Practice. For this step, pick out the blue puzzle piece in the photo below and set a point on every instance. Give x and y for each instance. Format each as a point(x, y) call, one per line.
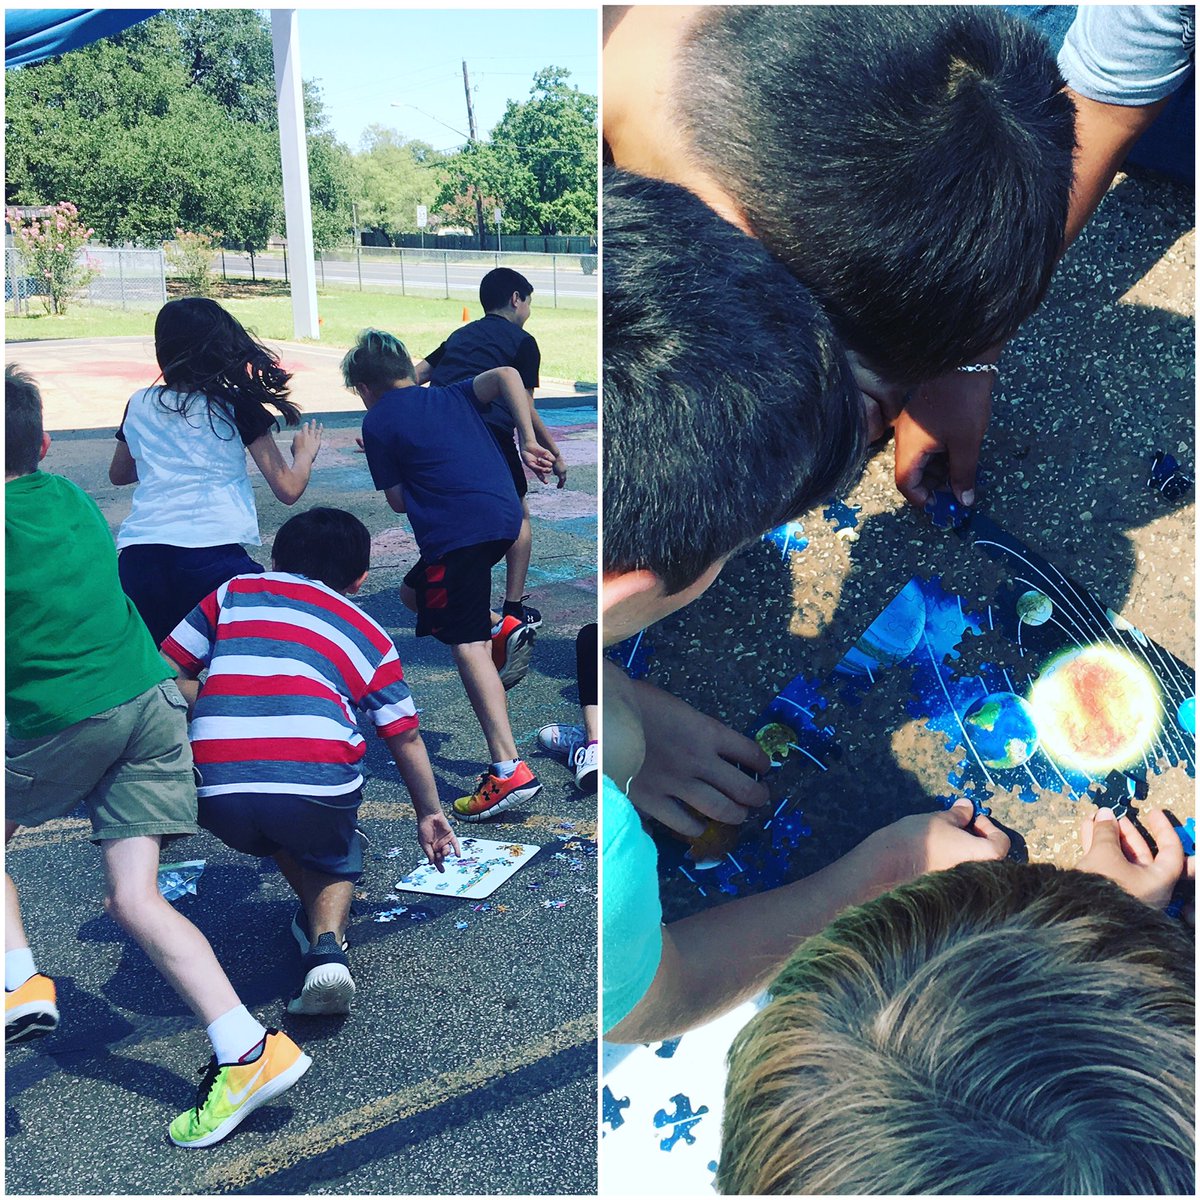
point(788, 539)
point(611, 1114)
point(945, 511)
point(1187, 835)
point(682, 1130)
point(843, 515)
point(633, 655)
point(683, 1112)
point(668, 1048)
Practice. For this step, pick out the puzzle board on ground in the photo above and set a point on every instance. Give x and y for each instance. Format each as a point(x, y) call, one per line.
point(483, 867)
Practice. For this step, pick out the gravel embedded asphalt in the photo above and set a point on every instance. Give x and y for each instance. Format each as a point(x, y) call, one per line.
point(469, 1061)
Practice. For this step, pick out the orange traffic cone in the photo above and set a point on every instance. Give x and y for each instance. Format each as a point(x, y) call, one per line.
point(466, 314)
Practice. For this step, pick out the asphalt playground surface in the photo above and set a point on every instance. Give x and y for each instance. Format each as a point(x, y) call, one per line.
point(468, 1064)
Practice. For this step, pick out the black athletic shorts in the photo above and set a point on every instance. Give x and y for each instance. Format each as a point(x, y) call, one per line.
point(454, 593)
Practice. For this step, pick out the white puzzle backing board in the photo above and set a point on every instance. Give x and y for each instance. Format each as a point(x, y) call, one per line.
point(481, 869)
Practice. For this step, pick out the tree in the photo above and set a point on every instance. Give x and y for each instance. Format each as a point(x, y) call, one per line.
point(392, 175)
point(171, 123)
point(539, 162)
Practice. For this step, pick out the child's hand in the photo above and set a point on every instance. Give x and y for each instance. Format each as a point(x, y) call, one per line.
point(695, 759)
point(927, 842)
point(539, 460)
point(307, 441)
point(436, 837)
point(1116, 850)
point(560, 470)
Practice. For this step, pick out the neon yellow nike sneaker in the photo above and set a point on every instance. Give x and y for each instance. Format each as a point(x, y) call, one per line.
point(230, 1092)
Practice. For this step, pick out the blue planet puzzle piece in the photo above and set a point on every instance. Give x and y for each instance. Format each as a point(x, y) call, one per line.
point(611, 1114)
point(668, 1048)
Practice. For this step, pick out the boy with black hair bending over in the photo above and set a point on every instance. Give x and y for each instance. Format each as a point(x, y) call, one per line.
point(95, 718)
point(499, 339)
point(786, 435)
point(432, 457)
point(289, 658)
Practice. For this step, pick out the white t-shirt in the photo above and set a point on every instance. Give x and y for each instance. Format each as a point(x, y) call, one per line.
point(1131, 54)
point(193, 488)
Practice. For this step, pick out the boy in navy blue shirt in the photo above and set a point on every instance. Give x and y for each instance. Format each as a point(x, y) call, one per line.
point(433, 458)
point(499, 339)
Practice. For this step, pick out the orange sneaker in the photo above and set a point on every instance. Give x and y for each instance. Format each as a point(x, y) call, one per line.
point(30, 1011)
point(493, 794)
point(512, 650)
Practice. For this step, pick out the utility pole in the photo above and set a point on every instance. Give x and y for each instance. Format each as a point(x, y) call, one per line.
point(471, 128)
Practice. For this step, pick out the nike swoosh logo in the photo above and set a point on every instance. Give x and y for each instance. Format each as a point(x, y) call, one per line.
point(235, 1098)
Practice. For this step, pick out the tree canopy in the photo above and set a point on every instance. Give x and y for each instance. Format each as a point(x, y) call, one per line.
point(392, 175)
point(539, 162)
point(170, 124)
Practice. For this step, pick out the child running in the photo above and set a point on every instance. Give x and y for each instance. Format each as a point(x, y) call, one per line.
point(94, 718)
point(184, 444)
point(432, 457)
point(289, 657)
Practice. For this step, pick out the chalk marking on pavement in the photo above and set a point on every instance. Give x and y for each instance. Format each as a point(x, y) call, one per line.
point(291, 1151)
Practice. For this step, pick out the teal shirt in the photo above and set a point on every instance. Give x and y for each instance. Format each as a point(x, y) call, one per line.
point(632, 911)
point(74, 645)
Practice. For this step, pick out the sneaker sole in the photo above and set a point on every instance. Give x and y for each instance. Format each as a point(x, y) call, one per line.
point(328, 991)
point(268, 1091)
point(29, 1021)
point(508, 801)
point(587, 781)
point(518, 655)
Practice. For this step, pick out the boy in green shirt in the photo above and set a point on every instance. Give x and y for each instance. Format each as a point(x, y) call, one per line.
point(95, 718)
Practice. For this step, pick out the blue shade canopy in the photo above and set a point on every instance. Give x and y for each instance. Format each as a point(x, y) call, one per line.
point(31, 34)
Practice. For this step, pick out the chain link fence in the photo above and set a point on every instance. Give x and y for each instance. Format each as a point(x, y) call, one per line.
point(122, 278)
point(559, 280)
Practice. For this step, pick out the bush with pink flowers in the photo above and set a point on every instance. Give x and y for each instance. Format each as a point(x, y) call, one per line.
point(49, 247)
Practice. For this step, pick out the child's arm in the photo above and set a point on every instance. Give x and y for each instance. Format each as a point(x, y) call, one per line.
point(422, 371)
point(505, 382)
point(188, 684)
point(123, 469)
point(395, 498)
point(543, 436)
point(433, 830)
point(716, 959)
point(288, 483)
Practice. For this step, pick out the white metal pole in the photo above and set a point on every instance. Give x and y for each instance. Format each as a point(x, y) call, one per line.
point(293, 149)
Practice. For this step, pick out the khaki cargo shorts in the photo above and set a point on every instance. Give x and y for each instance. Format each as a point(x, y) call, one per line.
point(130, 766)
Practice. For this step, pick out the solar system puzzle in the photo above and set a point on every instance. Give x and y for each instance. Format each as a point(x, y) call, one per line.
point(1040, 689)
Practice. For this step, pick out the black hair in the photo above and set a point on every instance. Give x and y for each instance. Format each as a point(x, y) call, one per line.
point(203, 350)
point(911, 165)
point(497, 286)
point(328, 544)
point(22, 423)
point(729, 406)
point(377, 359)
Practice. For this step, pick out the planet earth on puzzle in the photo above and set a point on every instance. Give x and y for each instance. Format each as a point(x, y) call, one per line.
point(1002, 730)
point(1035, 608)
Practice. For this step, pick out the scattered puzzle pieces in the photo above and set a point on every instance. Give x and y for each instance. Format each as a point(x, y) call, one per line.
point(788, 539)
point(1167, 478)
point(843, 516)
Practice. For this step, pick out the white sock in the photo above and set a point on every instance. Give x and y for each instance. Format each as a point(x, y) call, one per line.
point(234, 1034)
point(18, 968)
point(502, 770)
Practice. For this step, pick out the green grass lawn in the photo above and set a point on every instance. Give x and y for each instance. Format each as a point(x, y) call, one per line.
point(567, 336)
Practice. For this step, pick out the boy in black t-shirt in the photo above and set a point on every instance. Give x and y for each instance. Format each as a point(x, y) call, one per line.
point(498, 339)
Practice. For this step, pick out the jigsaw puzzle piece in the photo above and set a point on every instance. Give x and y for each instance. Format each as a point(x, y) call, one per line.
point(612, 1113)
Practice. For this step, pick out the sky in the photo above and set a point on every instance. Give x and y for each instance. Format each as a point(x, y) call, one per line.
point(365, 60)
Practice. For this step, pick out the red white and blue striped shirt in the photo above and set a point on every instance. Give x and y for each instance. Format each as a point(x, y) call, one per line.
point(289, 659)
